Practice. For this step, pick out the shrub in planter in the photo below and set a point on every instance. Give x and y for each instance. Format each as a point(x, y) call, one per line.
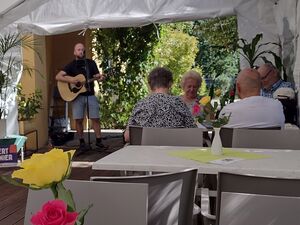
point(28, 105)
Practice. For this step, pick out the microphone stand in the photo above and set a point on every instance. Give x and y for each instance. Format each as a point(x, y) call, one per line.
point(88, 87)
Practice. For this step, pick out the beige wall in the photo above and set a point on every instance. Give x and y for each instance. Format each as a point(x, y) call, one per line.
point(37, 80)
point(56, 51)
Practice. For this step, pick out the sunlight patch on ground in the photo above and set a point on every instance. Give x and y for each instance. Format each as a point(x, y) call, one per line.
point(81, 164)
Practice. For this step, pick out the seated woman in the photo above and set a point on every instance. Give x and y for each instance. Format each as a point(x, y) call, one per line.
point(160, 109)
point(190, 84)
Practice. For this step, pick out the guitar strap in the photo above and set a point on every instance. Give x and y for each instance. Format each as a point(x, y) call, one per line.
point(87, 75)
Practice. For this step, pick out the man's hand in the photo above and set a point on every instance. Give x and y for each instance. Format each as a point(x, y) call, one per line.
point(99, 76)
point(77, 82)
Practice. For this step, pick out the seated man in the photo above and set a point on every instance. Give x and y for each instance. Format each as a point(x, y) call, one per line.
point(160, 109)
point(271, 80)
point(275, 87)
point(253, 110)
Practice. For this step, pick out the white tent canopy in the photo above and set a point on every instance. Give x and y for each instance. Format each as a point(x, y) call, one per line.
point(12, 10)
point(48, 17)
point(278, 20)
point(61, 16)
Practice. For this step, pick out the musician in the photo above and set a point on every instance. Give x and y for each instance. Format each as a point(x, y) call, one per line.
point(87, 67)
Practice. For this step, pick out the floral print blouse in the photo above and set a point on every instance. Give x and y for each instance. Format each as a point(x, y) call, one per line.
point(161, 110)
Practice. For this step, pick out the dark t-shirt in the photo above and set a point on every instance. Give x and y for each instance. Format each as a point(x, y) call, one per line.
point(79, 67)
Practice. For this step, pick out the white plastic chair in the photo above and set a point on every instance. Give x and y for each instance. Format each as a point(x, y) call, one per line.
point(113, 203)
point(171, 196)
point(268, 139)
point(172, 136)
point(248, 200)
point(135, 135)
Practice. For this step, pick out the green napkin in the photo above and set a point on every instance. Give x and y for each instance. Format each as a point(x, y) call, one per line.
point(204, 155)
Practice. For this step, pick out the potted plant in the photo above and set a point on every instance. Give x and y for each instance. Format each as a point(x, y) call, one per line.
point(28, 105)
point(252, 51)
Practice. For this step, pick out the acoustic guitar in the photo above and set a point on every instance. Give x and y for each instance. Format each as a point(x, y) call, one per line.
point(68, 91)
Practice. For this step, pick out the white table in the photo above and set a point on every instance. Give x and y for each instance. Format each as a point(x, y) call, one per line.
point(282, 163)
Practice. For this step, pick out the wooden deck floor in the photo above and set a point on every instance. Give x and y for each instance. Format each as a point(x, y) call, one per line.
point(13, 199)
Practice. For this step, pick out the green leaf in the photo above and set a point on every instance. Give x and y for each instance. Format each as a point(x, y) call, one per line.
point(17, 182)
point(66, 196)
point(221, 121)
point(54, 190)
point(255, 40)
point(68, 173)
point(80, 218)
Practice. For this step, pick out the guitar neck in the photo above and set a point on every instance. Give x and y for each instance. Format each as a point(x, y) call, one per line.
point(91, 80)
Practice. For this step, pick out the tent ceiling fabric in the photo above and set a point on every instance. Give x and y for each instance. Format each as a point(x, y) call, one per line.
point(62, 16)
point(10, 11)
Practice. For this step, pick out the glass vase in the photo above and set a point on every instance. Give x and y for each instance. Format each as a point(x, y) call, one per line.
point(216, 146)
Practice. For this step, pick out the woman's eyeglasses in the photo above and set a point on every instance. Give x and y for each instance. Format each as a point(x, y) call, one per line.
point(267, 74)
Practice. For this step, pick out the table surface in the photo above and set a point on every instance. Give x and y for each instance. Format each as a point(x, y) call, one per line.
point(281, 163)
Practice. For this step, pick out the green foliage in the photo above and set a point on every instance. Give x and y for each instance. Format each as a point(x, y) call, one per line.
point(251, 51)
point(220, 121)
point(221, 32)
point(205, 46)
point(209, 115)
point(217, 56)
point(28, 106)
point(10, 65)
point(124, 52)
point(175, 50)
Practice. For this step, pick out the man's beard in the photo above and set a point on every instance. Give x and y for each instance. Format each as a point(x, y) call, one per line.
point(80, 57)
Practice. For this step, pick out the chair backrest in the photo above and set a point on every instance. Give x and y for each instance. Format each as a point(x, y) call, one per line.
point(113, 203)
point(135, 135)
point(252, 200)
point(171, 196)
point(289, 110)
point(226, 134)
point(172, 136)
point(273, 139)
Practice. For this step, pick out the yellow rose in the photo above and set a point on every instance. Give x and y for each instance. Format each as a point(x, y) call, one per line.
point(41, 170)
point(204, 100)
point(218, 92)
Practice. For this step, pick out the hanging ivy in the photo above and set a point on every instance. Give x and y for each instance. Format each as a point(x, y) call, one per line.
point(122, 53)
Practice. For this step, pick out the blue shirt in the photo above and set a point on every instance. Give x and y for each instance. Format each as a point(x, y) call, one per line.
point(279, 84)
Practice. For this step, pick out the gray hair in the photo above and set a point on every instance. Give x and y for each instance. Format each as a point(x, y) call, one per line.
point(192, 74)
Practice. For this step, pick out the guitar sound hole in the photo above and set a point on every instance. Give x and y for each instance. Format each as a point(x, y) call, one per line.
point(74, 88)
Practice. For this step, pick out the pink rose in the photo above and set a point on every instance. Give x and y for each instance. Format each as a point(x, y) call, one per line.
point(196, 109)
point(54, 213)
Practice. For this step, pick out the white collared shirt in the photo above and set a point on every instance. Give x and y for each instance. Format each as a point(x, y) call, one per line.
point(254, 112)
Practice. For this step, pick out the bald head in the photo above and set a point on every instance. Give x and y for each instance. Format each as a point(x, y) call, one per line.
point(79, 51)
point(248, 83)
